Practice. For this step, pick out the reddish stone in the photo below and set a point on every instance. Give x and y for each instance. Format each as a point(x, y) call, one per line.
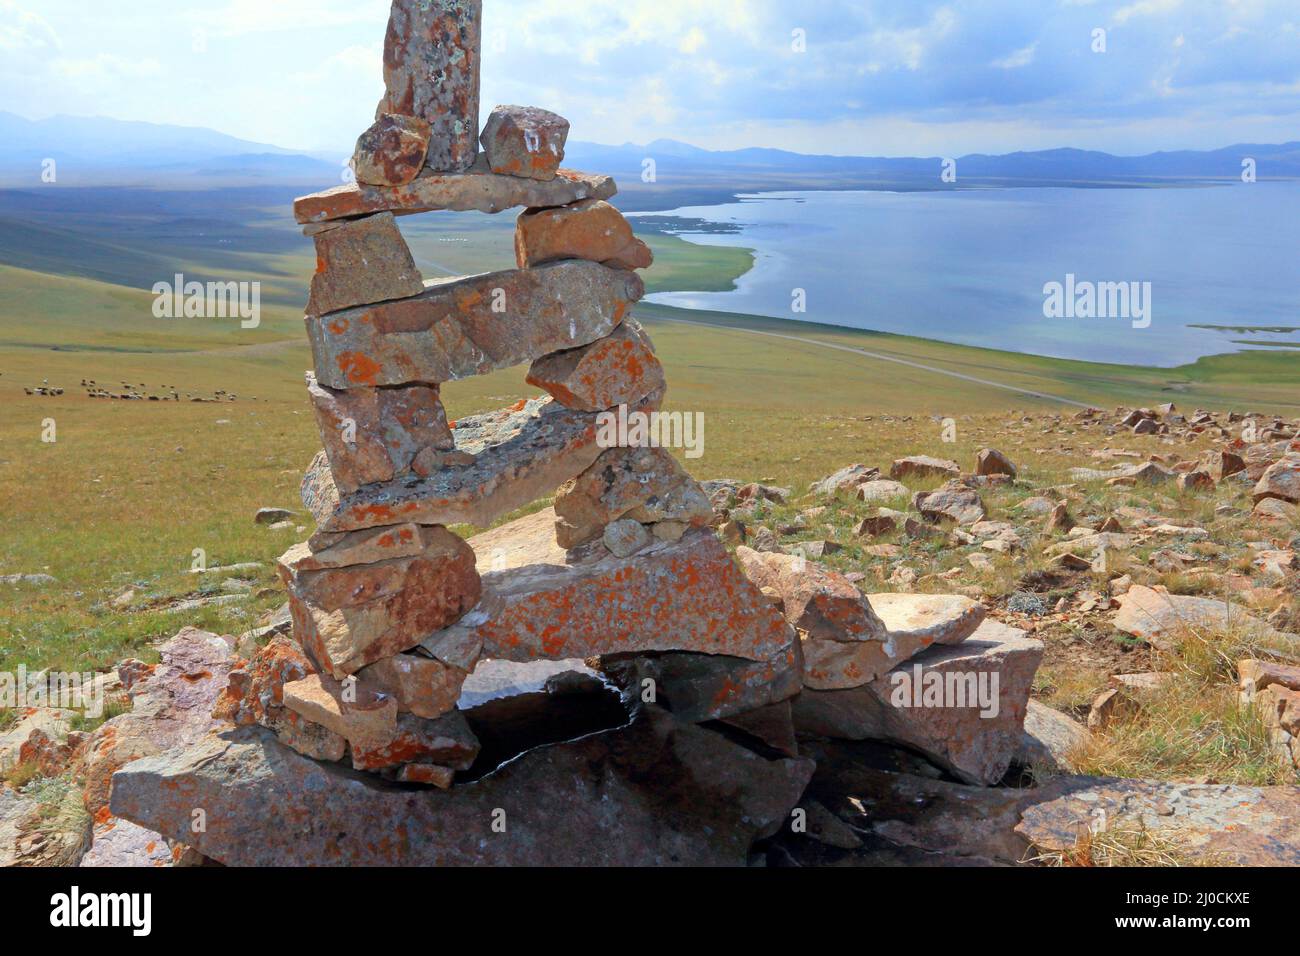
point(349, 617)
point(376, 434)
point(620, 369)
point(365, 718)
point(361, 262)
point(647, 484)
point(816, 600)
point(513, 458)
point(478, 190)
point(525, 141)
point(591, 229)
point(445, 742)
point(465, 327)
point(431, 70)
point(392, 151)
point(684, 596)
point(421, 685)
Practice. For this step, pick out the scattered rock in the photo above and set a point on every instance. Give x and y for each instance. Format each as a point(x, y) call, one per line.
point(993, 462)
point(923, 466)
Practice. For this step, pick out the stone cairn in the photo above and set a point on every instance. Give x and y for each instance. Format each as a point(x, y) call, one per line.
point(720, 661)
point(391, 610)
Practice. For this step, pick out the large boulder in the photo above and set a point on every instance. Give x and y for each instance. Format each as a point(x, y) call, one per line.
point(656, 792)
point(460, 328)
point(361, 261)
point(1215, 824)
point(963, 706)
point(541, 603)
point(172, 707)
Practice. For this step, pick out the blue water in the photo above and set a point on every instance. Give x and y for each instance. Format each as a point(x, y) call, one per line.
point(970, 266)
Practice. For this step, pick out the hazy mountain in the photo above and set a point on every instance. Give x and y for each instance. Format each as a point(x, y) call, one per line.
point(99, 151)
point(1060, 165)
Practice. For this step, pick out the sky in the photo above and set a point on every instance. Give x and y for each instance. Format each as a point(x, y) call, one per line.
point(849, 77)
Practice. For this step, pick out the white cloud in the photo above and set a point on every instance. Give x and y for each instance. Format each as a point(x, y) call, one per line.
point(1146, 8)
point(22, 30)
point(1022, 57)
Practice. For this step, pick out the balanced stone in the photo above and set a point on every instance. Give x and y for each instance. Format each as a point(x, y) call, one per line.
point(514, 456)
point(591, 229)
point(421, 685)
point(359, 262)
point(477, 190)
point(392, 151)
point(621, 483)
point(464, 327)
point(378, 434)
point(352, 616)
point(431, 70)
point(525, 141)
point(620, 369)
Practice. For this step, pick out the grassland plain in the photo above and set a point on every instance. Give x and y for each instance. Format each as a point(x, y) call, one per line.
point(116, 508)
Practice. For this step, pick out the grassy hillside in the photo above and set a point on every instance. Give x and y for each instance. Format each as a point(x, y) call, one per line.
point(116, 507)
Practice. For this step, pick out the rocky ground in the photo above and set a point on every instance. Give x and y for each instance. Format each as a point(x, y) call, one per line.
point(1152, 554)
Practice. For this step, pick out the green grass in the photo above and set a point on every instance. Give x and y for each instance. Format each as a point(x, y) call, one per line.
point(131, 489)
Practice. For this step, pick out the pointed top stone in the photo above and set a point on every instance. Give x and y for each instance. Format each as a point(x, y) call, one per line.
point(431, 71)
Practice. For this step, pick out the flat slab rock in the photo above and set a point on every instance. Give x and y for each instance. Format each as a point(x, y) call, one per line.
point(1157, 617)
point(686, 595)
point(477, 190)
point(514, 456)
point(1218, 824)
point(459, 328)
point(955, 730)
point(653, 793)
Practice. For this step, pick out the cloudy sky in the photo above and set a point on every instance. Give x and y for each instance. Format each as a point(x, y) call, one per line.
point(877, 77)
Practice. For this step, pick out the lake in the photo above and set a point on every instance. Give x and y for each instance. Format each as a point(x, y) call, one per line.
point(970, 266)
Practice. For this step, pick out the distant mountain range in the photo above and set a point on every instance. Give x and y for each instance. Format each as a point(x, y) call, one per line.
point(94, 151)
